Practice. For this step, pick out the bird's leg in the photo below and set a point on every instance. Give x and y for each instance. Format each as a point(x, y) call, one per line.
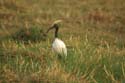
point(62, 60)
point(59, 56)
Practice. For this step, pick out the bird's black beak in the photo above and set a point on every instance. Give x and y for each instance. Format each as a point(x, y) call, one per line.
point(49, 29)
point(45, 34)
point(55, 26)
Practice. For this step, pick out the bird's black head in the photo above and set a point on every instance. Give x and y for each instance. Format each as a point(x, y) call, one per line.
point(55, 26)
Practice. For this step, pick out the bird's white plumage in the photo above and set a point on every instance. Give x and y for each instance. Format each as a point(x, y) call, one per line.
point(59, 47)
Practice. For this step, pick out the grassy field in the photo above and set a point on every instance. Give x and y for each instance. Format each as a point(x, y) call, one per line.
point(93, 30)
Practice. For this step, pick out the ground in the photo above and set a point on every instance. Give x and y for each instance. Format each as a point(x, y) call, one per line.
point(93, 31)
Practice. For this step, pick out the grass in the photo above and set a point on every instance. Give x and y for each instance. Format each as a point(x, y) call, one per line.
point(92, 30)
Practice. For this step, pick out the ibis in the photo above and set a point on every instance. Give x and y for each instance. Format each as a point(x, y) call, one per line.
point(58, 46)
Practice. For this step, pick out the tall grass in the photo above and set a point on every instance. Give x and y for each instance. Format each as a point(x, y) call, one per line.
point(92, 30)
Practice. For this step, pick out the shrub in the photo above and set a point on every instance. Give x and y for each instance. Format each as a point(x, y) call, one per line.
point(33, 34)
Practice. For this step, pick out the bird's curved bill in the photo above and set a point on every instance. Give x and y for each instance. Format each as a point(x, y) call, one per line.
point(49, 29)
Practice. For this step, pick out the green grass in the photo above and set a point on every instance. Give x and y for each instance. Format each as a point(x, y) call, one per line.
point(92, 30)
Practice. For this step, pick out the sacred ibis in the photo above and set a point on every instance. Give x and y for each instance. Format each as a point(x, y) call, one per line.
point(58, 46)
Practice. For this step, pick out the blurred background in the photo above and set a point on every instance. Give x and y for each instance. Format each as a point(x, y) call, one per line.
point(93, 30)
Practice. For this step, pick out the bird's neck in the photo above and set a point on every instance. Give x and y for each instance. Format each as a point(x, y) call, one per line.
point(56, 31)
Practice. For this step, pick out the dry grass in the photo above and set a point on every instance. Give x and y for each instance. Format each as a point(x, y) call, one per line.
point(92, 30)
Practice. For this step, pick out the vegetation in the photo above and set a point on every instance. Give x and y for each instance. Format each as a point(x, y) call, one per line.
point(93, 31)
point(33, 34)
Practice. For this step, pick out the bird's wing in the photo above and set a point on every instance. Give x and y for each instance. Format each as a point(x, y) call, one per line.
point(63, 46)
point(64, 51)
point(59, 47)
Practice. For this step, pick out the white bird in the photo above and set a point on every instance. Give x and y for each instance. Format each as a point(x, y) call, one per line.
point(58, 46)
